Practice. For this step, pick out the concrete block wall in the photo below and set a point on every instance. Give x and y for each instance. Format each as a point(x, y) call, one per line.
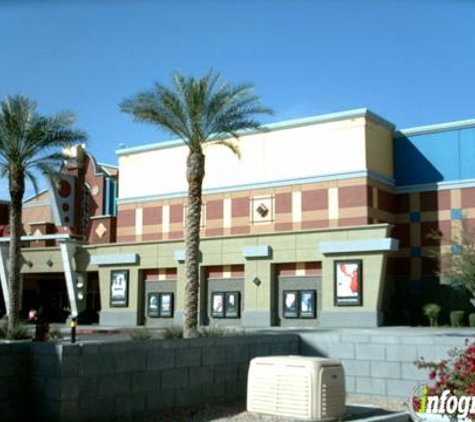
point(381, 363)
point(14, 386)
point(104, 381)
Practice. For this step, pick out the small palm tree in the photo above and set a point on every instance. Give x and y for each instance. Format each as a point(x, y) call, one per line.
point(199, 111)
point(29, 143)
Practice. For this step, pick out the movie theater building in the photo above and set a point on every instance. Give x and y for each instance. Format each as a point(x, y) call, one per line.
point(322, 222)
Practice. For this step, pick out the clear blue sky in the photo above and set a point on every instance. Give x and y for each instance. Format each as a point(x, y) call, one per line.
point(410, 61)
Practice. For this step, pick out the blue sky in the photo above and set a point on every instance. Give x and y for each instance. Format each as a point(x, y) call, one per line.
point(411, 61)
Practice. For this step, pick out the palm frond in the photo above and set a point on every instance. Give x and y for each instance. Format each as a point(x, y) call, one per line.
point(27, 138)
point(228, 143)
point(33, 180)
point(198, 110)
point(157, 107)
point(48, 171)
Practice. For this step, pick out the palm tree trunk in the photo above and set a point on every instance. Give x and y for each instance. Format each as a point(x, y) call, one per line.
point(195, 171)
point(17, 188)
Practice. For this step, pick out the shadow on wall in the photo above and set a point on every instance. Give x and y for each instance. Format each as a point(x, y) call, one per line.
point(411, 166)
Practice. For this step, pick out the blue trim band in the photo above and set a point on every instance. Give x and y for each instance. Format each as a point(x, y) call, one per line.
point(107, 196)
point(466, 183)
point(36, 204)
point(365, 245)
point(115, 259)
point(262, 251)
point(179, 255)
point(442, 127)
point(41, 192)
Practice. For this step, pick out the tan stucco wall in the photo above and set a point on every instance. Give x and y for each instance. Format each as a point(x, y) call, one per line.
point(286, 247)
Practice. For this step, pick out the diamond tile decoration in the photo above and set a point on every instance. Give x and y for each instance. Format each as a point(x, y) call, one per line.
point(101, 230)
point(262, 209)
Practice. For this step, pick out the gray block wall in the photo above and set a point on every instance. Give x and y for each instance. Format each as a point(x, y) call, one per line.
point(14, 387)
point(380, 363)
point(104, 381)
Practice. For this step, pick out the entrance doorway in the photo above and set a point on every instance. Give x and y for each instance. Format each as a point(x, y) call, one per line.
point(49, 291)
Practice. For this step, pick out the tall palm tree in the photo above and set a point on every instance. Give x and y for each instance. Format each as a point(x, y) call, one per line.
point(29, 143)
point(199, 111)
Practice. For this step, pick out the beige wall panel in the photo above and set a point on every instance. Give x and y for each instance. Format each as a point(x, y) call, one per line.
point(379, 149)
point(414, 201)
point(435, 215)
point(314, 215)
point(353, 212)
point(350, 182)
point(456, 198)
point(262, 228)
point(265, 157)
point(152, 228)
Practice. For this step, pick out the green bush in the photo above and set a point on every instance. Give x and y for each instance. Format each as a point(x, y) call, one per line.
point(173, 332)
point(471, 320)
point(432, 311)
point(19, 332)
point(205, 332)
point(55, 334)
point(3, 329)
point(456, 318)
point(213, 332)
point(142, 334)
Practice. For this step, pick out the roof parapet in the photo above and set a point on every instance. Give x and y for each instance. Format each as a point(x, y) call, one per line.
point(287, 124)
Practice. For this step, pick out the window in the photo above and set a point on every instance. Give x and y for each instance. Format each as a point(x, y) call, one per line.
point(225, 304)
point(299, 304)
point(160, 305)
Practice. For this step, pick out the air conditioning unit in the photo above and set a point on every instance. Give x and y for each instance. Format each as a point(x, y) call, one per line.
point(307, 388)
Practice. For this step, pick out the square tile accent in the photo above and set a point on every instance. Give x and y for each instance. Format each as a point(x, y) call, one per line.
point(415, 286)
point(415, 217)
point(456, 214)
point(457, 249)
point(415, 252)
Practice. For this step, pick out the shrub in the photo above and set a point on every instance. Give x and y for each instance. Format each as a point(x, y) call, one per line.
point(213, 332)
point(19, 332)
point(173, 332)
point(210, 332)
point(3, 329)
point(432, 311)
point(55, 334)
point(456, 374)
point(456, 318)
point(471, 320)
point(142, 334)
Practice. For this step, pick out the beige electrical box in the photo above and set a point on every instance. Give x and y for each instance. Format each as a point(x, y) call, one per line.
point(307, 388)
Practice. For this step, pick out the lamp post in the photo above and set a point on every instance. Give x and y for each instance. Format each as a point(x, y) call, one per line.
point(74, 324)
